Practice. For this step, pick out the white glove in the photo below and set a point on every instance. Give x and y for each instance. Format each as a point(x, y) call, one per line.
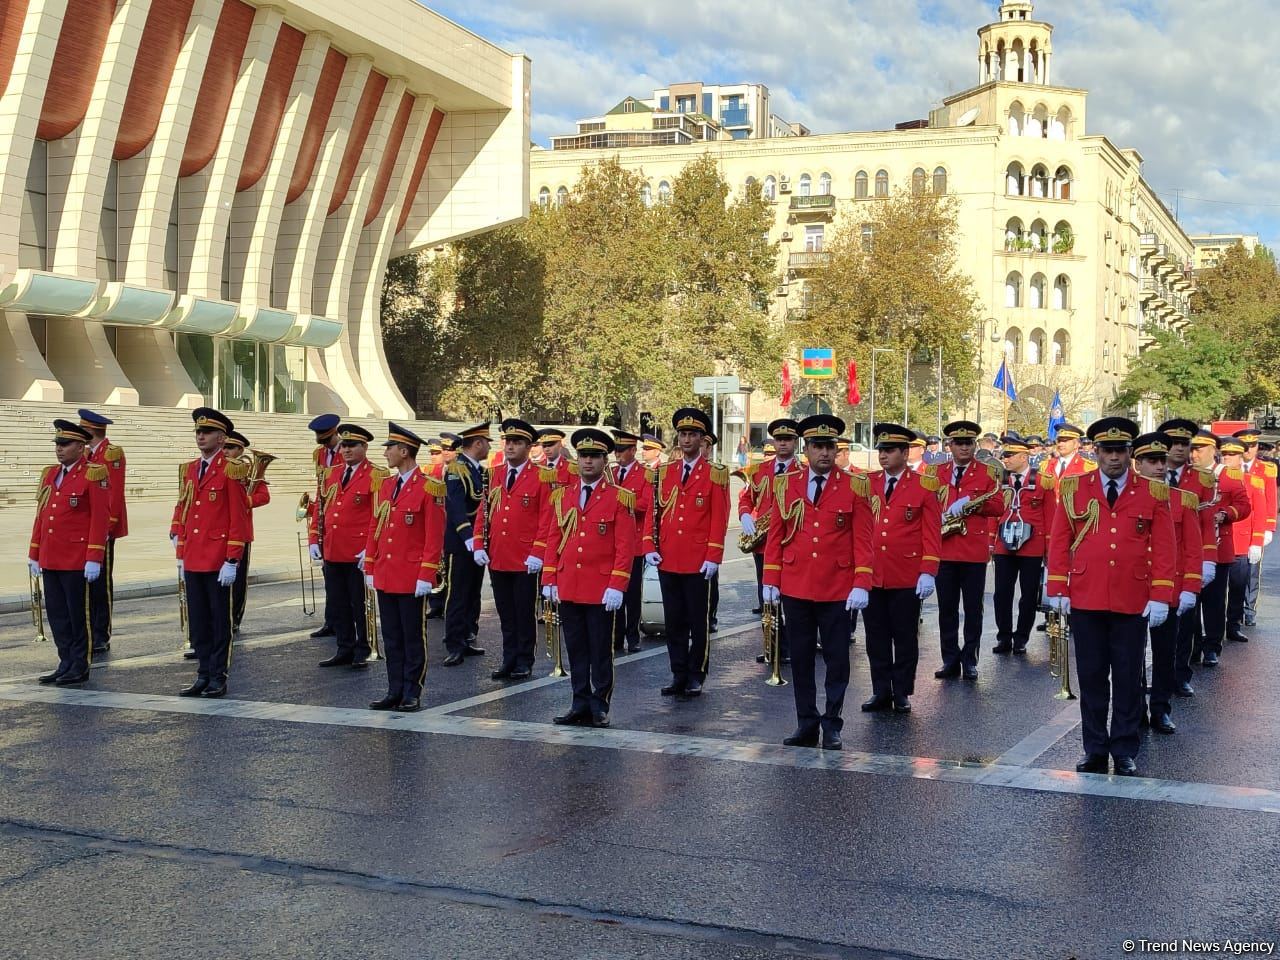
point(314, 550)
point(858, 599)
point(92, 570)
point(470, 544)
point(770, 594)
point(1186, 602)
point(33, 568)
point(1156, 612)
point(532, 564)
point(1267, 538)
point(653, 558)
point(1208, 572)
point(180, 568)
point(368, 580)
point(612, 599)
point(422, 588)
point(173, 539)
point(481, 557)
point(227, 575)
point(708, 569)
point(748, 524)
point(360, 561)
point(1255, 554)
point(924, 586)
point(550, 593)
point(955, 509)
point(1061, 605)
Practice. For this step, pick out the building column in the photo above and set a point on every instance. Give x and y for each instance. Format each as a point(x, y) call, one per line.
point(80, 355)
point(155, 369)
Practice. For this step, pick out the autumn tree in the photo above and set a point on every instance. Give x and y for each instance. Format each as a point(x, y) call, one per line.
point(1198, 375)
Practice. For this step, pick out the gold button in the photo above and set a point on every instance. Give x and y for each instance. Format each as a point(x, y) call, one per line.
point(1113, 563)
point(195, 531)
point(578, 565)
point(815, 556)
point(579, 549)
point(1113, 529)
point(815, 539)
point(1113, 546)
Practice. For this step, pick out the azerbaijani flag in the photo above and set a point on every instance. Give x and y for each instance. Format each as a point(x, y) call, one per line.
point(818, 363)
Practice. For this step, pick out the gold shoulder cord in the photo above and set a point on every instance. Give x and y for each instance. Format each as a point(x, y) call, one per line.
point(668, 505)
point(566, 520)
point(792, 516)
point(1086, 522)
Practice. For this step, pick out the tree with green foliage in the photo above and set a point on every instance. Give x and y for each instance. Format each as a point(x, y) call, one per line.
point(1197, 375)
point(417, 335)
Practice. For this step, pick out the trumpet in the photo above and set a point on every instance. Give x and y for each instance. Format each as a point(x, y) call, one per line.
point(184, 618)
point(549, 614)
point(37, 609)
point(770, 628)
point(955, 522)
point(1059, 633)
point(371, 621)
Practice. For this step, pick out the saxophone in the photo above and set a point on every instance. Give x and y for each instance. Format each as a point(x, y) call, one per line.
point(955, 523)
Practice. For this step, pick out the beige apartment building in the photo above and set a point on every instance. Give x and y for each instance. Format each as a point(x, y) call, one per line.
point(1074, 257)
point(198, 198)
point(1211, 247)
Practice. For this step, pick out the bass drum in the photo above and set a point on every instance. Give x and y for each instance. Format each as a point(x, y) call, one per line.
point(652, 617)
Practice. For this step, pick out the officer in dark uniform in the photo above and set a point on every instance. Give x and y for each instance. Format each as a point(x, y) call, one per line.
point(447, 446)
point(465, 482)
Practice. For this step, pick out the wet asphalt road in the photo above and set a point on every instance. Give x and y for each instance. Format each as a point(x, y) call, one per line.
point(130, 830)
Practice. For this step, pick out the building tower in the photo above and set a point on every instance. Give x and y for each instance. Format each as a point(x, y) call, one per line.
point(1017, 48)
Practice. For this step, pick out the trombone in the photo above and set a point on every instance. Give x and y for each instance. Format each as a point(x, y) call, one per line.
point(370, 619)
point(183, 616)
point(770, 629)
point(37, 609)
point(549, 613)
point(1059, 633)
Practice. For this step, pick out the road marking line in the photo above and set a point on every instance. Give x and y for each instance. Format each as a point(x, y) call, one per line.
point(1038, 742)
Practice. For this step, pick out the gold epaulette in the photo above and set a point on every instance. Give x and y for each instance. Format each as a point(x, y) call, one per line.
point(928, 470)
point(547, 474)
point(996, 471)
point(1069, 485)
point(1190, 500)
point(573, 468)
point(96, 472)
point(719, 474)
point(379, 474)
point(1048, 481)
point(1257, 481)
point(45, 474)
point(112, 453)
point(1235, 473)
point(235, 470)
point(627, 498)
point(182, 471)
point(1207, 479)
point(434, 486)
point(929, 482)
point(1159, 490)
point(1090, 466)
point(459, 470)
point(860, 484)
point(649, 474)
point(1269, 470)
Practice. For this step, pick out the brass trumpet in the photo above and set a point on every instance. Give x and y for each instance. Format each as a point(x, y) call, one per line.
point(770, 628)
point(37, 609)
point(184, 619)
point(549, 614)
point(371, 620)
point(1059, 633)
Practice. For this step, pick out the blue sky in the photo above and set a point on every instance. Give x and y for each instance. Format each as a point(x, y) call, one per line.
point(1189, 83)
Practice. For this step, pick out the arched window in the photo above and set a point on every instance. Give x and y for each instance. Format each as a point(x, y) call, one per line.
point(1062, 292)
point(1064, 241)
point(544, 197)
point(917, 181)
point(1035, 346)
point(1039, 181)
point(868, 237)
point(664, 192)
point(749, 188)
point(1062, 184)
point(562, 196)
point(1060, 123)
point(1013, 345)
point(1061, 348)
point(646, 195)
point(1015, 63)
point(1015, 180)
point(1039, 230)
point(860, 185)
point(882, 183)
point(1013, 290)
point(1012, 234)
point(1017, 119)
point(806, 182)
point(1037, 299)
point(1038, 122)
point(824, 185)
point(770, 188)
point(939, 181)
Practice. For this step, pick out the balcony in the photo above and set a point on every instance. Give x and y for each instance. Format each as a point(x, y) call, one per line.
point(734, 117)
point(797, 314)
point(809, 260)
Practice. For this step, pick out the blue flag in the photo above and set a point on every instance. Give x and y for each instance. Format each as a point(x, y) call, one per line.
point(1056, 417)
point(1004, 381)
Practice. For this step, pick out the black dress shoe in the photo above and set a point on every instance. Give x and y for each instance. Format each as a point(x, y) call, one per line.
point(360, 664)
point(801, 738)
point(693, 688)
point(1003, 646)
point(71, 679)
point(453, 659)
point(970, 673)
point(1235, 634)
point(760, 658)
point(389, 702)
point(1143, 719)
point(947, 673)
point(1092, 763)
point(521, 674)
point(216, 689)
point(337, 660)
point(1163, 723)
point(188, 654)
point(1195, 658)
point(1210, 658)
point(1042, 627)
point(715, 626)
point(672, 690)
point(501, 674)
point(1184, 690)
point(195, 689)
point(902, 704)
point(574, 718)
point(1019, 648)
point(831, 741)
point(100, 650)
point(1126, 767)
point(412, 705)
point(756, 611)
point(324, 631)
point(49, 677)
point(471, 650)
point(633, 648)
point(600, 720)
point(877, 703)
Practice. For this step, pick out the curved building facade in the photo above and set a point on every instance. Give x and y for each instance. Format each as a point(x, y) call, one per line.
point(198, 198)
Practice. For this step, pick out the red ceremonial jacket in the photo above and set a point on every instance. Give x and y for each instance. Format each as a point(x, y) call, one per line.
point(1115, 559)
point(589, 550)
point(348, 513)
point(1202, 484)
point(112, 457)
point(756, 497)
point(908, 530)
point(1188, 530)
point(406, 536)
point(1267, 471)
point(1246, 535)
point(977, 478)
point(1234, 500)
point(562, 474)
point(70, 527)
point(639, 481)
point(211, 517)
point(819, 552)
point(1034, 505)
point(694, 517)
point(516, 518)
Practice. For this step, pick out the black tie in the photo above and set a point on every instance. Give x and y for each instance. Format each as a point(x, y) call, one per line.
point(586, 495)
point(399, 483)
point(1112, 493)
point(62, 475)
point(955, 478)
point(817, 488)
point(622, 475)
point(204, 465)
point(511, 478)
point(1173, 478)
point(1017, 483)
point(780, 467)
point(346, 476)
point(684, 478)
point(888, 490)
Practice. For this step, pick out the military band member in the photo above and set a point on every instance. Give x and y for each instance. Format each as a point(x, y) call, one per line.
point(561, 469)
point(401, 561)
point(590, 545)
point(1112, 569)
point(68, 547)
point(1230, 505)
point(651, 451)
point(915, 454)
point(1068, 460)
point(102, 590)
point(1247, 538)
point(709, 442)
point(325, 456)
point(692, 517)
point(755, 501)
point(629, 474)
point(518, 510)
point(448, 446)
point(1021, 534)
point(1256, 466)
point(968, 489)
point(906, 546)
point(1150, 456)
point(349, 490)
point(465, 481)
point(259, 496)
point(818, 564)
point(843, 445)
point(210, 529)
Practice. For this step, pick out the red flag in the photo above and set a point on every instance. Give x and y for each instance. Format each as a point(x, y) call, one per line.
point(854, 396)
point(786, 385)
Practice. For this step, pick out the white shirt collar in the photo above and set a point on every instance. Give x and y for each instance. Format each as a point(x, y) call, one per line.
point(1121, 481)
point(894, 476)
point(693, 462)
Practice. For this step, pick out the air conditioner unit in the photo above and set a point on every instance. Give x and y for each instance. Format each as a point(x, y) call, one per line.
point(781, 291)
point(784, 185)
point(786, 237)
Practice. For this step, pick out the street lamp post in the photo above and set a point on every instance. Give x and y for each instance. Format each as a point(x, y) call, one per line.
point(995, 338)
point(872, 425)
